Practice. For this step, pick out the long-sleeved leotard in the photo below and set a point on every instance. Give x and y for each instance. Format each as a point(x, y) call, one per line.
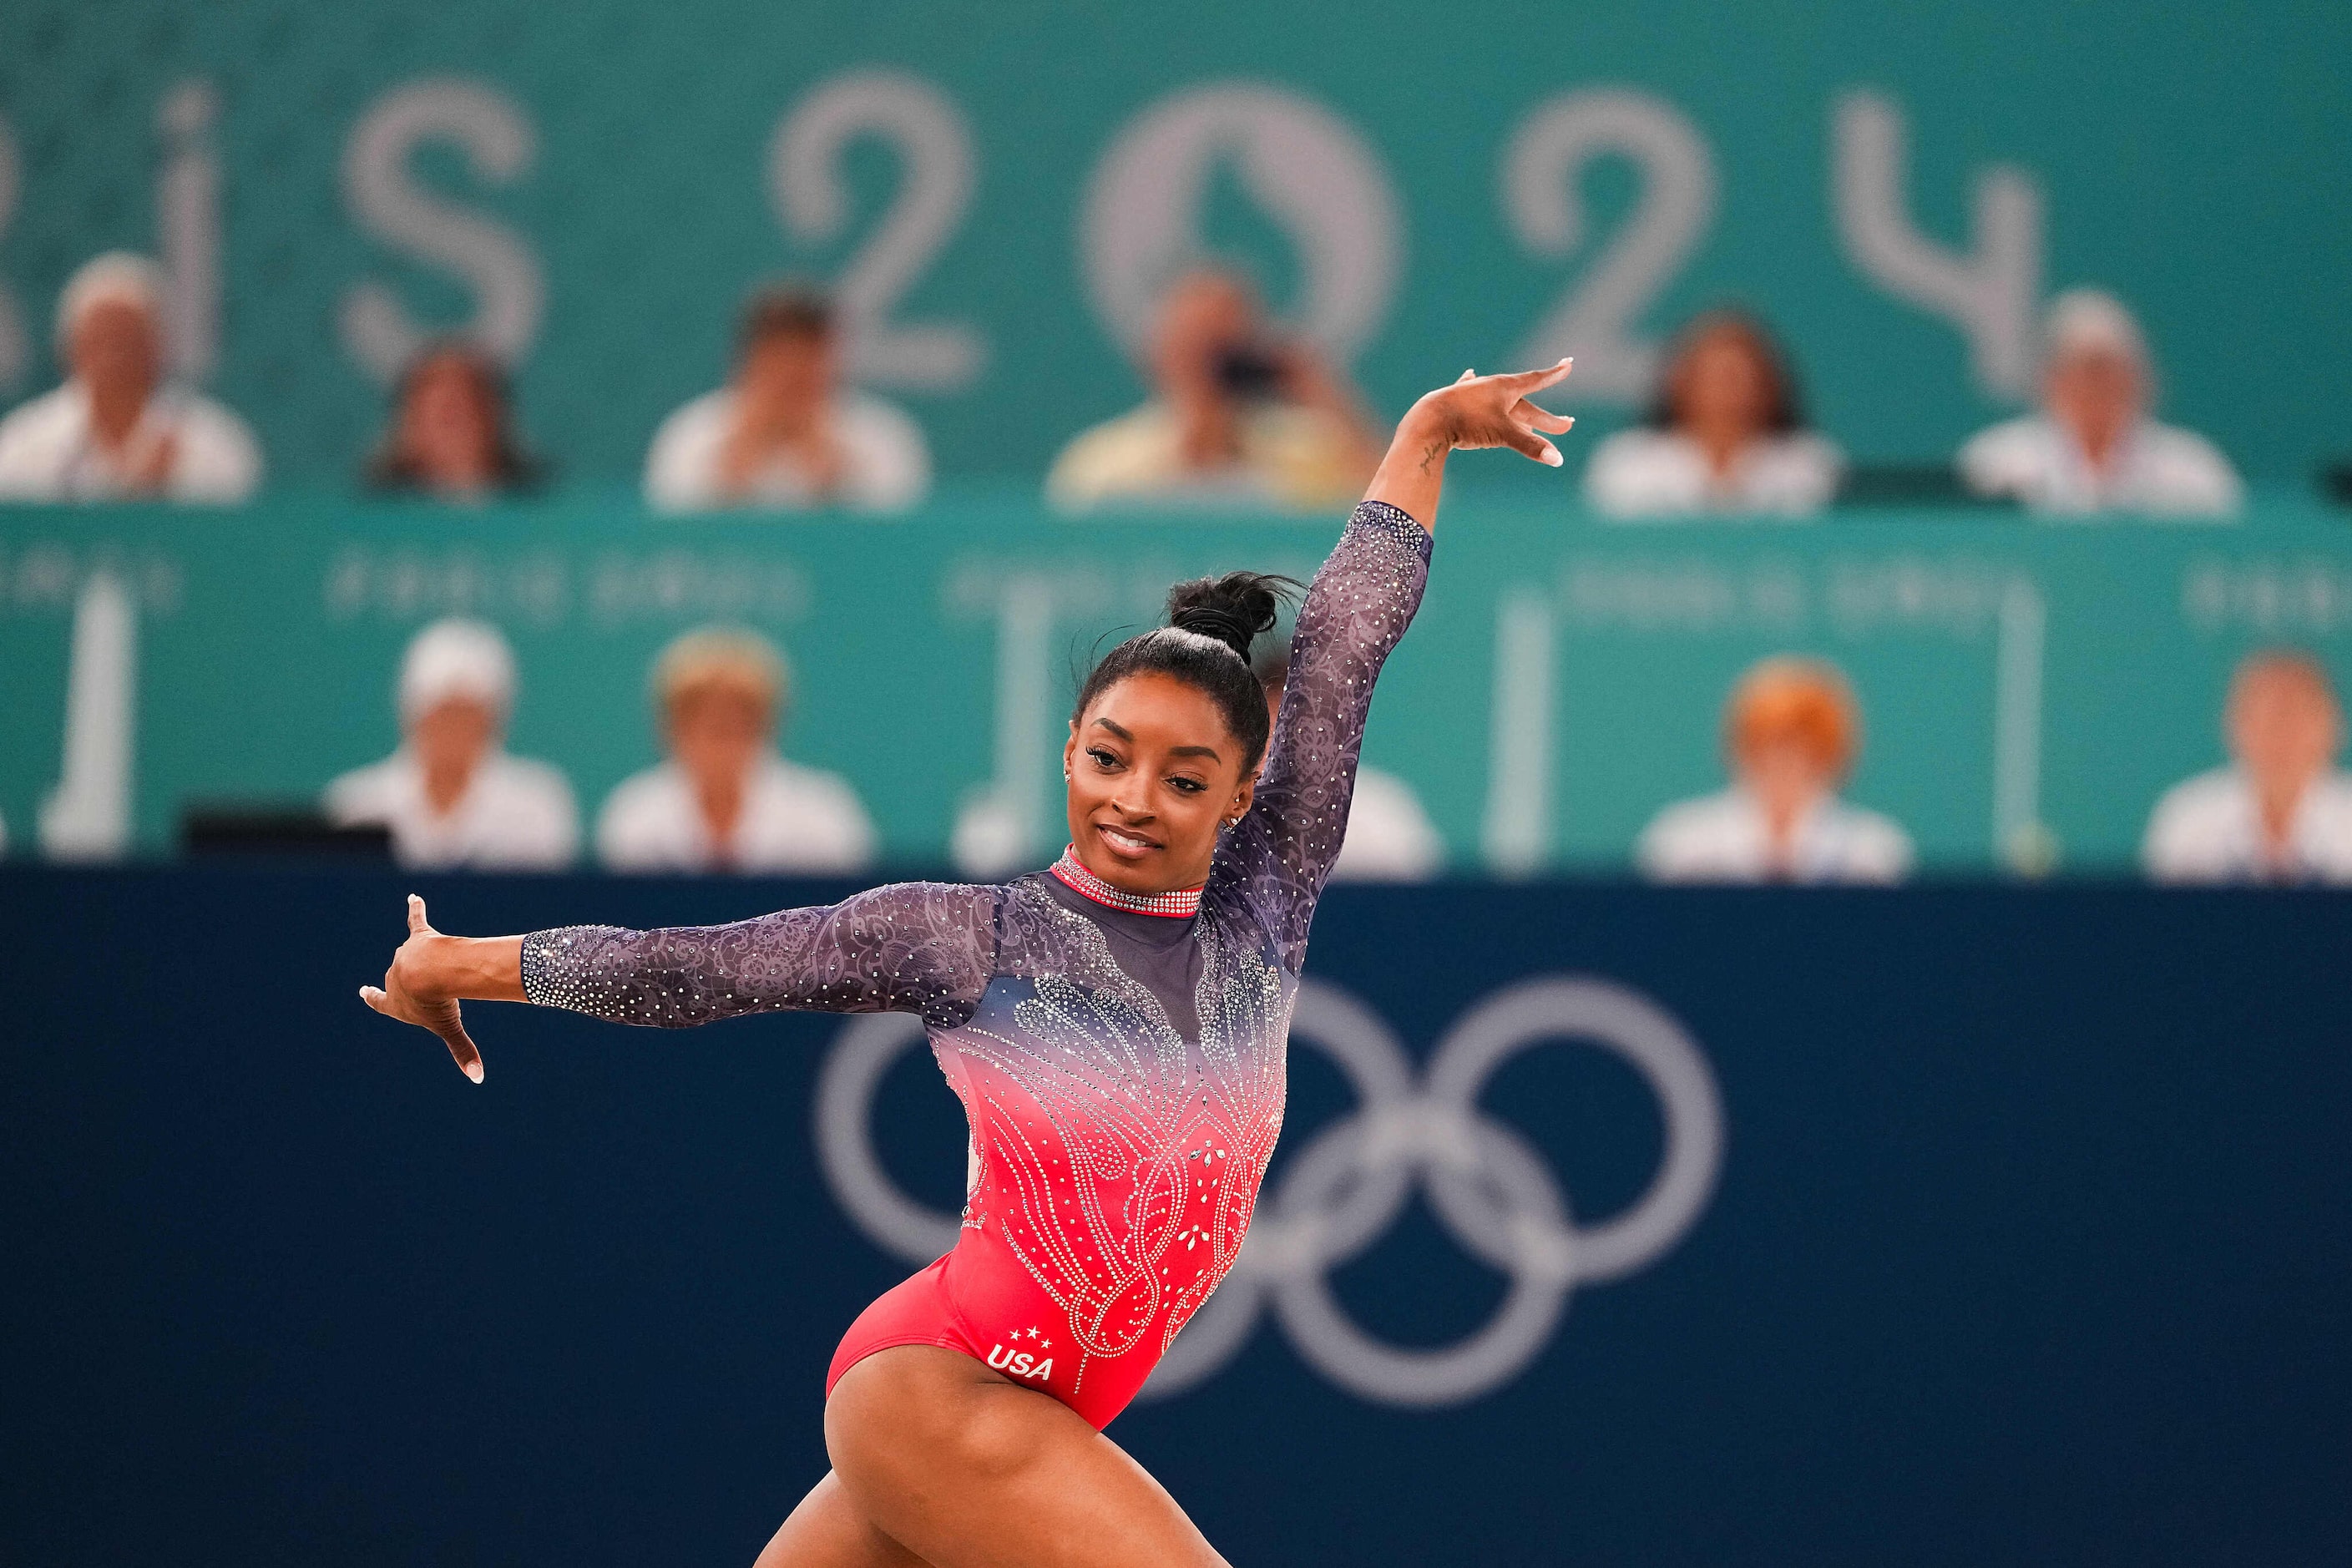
point(1123, 1072)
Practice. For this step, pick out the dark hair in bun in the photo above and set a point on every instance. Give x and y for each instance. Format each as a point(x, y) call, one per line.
point(1235, 608)
point(1211, 622)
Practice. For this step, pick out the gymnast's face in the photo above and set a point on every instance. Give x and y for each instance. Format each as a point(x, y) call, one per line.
point(1153, 773)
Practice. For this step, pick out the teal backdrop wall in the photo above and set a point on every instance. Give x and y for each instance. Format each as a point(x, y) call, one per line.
point(998, 188)
point(2029, 690)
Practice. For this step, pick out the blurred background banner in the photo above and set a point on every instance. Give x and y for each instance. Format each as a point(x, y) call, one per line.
point(1999, 1225)
point(2029, 692)
point(997, 195)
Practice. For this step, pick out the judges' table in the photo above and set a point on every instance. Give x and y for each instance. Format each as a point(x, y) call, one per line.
point(2029, 690)
point(1944, 1226)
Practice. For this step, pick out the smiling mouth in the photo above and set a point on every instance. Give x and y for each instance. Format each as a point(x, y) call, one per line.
point(1125, 842)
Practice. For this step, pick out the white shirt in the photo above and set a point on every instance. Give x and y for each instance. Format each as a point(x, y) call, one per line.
point(1658, 473)
point(2158, 469)
point(1390, 838)
point(794, 819)
point(1290, 457)
point(1722, 838)
point(2208, 829)
point(48, 452)
point(885, 464)
point(515, 815)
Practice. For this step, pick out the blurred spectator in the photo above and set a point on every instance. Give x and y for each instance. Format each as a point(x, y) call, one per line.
point(1792, 731)
point(1237, 417)
point(2093, 447)
point(1389, 838)
point(451, 795)
point(784, 434)
point(725, 801)
point(1725, 435)
point(452, 434)
point(116, 430)
point(2282, 812)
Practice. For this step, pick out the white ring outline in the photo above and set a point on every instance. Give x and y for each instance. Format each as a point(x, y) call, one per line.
point(1487, 1184)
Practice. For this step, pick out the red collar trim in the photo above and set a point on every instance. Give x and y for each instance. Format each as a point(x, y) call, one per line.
point(1182, 904)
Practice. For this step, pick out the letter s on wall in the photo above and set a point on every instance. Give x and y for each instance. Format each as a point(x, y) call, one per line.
point(16, 351)
point(499, 267)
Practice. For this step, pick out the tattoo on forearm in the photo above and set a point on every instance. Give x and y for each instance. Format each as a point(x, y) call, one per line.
point(1434, 453)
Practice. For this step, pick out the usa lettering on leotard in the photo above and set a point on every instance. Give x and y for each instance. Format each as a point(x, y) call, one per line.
point(1019, 1363)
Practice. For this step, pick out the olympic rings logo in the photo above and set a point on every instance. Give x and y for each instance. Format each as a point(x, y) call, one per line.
point(1490, 1189)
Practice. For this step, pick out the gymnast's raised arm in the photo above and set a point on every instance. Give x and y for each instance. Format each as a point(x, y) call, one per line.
point(913, 947)
point(1279, 856)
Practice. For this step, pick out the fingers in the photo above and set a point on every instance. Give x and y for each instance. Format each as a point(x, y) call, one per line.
point(461, 1047)
point(1528, 381)
point(1521, 440)
point(1526, 413)
point(416, 915)
point(450, 1026)
point(1466, 375)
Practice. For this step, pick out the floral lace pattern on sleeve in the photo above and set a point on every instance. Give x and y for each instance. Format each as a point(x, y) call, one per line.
point(925, 948)
point(1278, 858)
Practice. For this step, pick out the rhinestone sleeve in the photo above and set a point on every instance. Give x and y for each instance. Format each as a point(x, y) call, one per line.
point(1278, 856)
point(913, 947)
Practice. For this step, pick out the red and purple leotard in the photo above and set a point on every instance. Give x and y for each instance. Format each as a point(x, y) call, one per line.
point(1120, 1060)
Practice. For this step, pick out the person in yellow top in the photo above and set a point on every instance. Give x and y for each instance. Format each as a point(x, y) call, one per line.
point(1238, 419)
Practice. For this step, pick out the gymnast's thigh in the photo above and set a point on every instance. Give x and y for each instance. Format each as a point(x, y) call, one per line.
point(827, 1531)
point(968, 1470)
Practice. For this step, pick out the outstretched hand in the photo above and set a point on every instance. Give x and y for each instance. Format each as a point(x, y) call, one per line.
point(414, 990)
point(1493, 411)
point(1474, 411)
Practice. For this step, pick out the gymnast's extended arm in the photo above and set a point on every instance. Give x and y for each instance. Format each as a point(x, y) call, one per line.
point(913, 947)
point(1279, 856)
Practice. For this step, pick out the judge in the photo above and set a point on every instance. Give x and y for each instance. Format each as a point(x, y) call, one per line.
point(450, 793)
point(2281, 811)
point(1792, 731)
point(725, 801)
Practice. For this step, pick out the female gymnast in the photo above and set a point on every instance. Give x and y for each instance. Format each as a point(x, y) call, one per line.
point(1114, 1027)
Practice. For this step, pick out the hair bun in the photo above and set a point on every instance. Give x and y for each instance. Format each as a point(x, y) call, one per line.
point(1233, 609)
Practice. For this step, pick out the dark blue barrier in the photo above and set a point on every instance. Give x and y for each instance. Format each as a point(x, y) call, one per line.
point(2031, 1240)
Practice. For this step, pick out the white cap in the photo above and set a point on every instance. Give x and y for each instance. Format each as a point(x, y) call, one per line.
point(118, 275)
point(2091, 321)
point(456, 658)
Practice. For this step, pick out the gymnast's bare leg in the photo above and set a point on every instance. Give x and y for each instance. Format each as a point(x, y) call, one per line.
point(936, 1460)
